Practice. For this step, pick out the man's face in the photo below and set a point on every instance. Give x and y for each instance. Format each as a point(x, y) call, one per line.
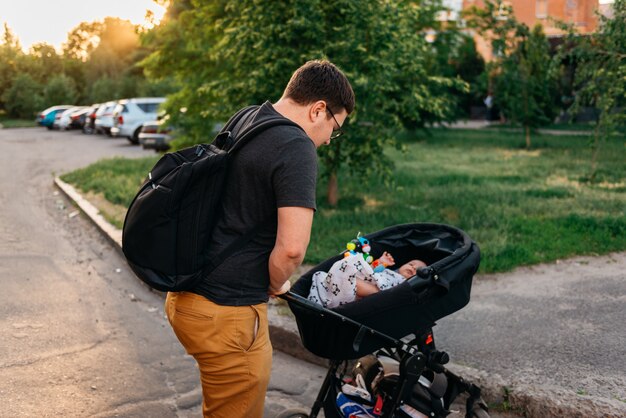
point(328, 124)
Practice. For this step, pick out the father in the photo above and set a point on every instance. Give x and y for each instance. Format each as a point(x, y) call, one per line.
point(222, 323)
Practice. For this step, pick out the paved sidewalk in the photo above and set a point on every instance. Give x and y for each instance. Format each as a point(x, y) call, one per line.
point(469, 124)
point(547, 341)
point(484, 124)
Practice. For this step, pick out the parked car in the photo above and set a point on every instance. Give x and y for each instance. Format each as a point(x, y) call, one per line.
point(90, 121)
point(78, 118)
point(57, 118)
point(104, 118)
point(46, 118)
point(62, 119)
point(155, 135)
point(130, 114)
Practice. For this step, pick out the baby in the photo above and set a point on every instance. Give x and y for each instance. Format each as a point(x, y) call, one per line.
point(352, 278)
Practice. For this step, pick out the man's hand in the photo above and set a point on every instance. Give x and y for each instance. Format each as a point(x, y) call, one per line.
point(284, 289)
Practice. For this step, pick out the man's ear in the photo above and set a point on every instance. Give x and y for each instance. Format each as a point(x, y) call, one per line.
point(316, 108)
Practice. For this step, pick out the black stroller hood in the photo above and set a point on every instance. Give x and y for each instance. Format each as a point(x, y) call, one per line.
point(441, 288)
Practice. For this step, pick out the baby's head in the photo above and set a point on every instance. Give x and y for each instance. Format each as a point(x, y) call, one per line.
point(409, 269)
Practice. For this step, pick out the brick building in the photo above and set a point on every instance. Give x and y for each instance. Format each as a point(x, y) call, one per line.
point(580, 13)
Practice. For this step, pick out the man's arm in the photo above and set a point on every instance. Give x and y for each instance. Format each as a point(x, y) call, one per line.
point(292, 240)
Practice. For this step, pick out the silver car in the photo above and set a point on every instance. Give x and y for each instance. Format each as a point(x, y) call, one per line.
point(130, 114)
point(104, 118)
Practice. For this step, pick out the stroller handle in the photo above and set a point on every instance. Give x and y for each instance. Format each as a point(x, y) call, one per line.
point(289, 296)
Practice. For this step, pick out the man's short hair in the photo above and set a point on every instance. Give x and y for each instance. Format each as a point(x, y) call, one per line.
point(321, 80)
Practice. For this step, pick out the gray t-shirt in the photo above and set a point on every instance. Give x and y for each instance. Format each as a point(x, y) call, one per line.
point(278, 168)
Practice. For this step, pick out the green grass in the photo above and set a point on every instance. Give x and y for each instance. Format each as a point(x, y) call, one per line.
point(118, 179)
point(6, 122)
point(522, 207)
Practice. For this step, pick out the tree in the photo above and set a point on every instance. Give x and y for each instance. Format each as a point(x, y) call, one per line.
point(524, 87)
point(525, 84)
point(600, 78)
point(11, 56)
point(228, 54)
point(23, 98)
point(82, 40)
point(103, 90)
point(44, 62)
point(456, 56)
point(101, 58)
point(76, 70)
point(496, 23)
point(118, 41)
point(60, 90)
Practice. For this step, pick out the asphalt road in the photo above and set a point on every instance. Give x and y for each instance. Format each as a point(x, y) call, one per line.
point(80, 335)
point(554, 332)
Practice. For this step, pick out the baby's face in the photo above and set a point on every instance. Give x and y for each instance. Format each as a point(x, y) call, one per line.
point(409, 269)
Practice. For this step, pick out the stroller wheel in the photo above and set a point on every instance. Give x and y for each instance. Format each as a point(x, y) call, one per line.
point(479, 412)
point(294, 413)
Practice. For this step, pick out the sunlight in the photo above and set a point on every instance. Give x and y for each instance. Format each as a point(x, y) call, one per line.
point(53, 20)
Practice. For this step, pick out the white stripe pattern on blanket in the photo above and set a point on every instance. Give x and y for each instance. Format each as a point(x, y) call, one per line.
point(338, 286)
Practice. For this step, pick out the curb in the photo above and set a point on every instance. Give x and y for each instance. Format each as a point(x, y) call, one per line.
point(520, 399)
point(111, 233)
point(283, 330)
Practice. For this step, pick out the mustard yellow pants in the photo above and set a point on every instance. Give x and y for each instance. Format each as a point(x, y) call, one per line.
point(232, 347)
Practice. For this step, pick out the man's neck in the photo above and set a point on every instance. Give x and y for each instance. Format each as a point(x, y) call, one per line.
point(292, 111)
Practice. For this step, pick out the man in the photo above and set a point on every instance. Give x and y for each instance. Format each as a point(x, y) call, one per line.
point(271, 191)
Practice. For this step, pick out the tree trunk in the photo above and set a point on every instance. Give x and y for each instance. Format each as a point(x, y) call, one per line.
point(527, 128)
point(332, 195)
point(595, 146)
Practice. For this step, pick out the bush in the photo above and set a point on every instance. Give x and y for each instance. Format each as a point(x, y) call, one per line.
point(61, 89)
point(23, 99)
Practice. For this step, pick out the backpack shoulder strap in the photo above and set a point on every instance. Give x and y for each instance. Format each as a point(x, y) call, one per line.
point(225, 138)
point(237, 117)
point(255, 129)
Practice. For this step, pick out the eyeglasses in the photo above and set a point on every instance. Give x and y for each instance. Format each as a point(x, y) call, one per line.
point(336, 132)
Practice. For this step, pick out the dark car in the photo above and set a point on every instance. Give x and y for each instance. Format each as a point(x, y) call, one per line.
point(78, 118)
point(90, 120)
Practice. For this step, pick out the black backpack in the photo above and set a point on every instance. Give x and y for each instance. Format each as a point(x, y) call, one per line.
point(169, 222)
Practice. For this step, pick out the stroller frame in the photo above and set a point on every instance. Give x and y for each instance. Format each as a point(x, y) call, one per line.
point(382, 322)
point(415, 357)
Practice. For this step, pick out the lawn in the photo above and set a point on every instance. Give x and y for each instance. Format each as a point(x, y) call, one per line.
point(522, 207)
point(6, 122)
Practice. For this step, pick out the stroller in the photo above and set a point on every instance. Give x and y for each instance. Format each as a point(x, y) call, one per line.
point(398, 372)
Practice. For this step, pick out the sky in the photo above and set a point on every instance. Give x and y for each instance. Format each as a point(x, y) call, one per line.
point(49, 21)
